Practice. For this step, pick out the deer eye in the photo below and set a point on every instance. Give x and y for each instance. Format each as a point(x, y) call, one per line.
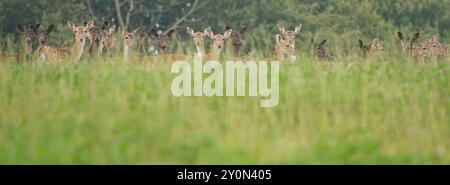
point(126, 37)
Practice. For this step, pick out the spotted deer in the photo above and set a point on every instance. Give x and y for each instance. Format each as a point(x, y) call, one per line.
point(237, 40)
point(282, 48)
point(95, 35)
point(372, 50)
point(218, 42)
point(75, 52)
point(431, 48)
point(290, 36)
point(199, 41)
point(27, 35)
point(129, 41)
point(107, 42)
point(408, 44)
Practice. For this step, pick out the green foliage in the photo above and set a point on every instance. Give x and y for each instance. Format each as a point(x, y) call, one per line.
point(341, 22)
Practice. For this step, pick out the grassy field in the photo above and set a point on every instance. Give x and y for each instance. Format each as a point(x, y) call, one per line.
point(390, 112)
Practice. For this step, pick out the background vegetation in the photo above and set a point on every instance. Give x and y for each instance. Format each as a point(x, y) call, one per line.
point(341, 22)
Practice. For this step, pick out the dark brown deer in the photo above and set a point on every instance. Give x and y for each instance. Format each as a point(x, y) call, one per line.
point(161, 40)
point(27, 35)
point(320, 50)
point(237, 40)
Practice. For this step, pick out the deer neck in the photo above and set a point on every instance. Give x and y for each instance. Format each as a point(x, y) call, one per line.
point(126, 53)
point(200, 49)
point(28, 47)
point(77, 48)
point(215, 52)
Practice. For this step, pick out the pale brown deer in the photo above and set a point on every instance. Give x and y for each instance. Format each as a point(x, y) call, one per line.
point(107, 42)
point(75, 52)
point(129, 41)
point(372, 50)
point(282, 48)
point(408, 44)
point(431, 48)
point(199, 41)
point(290, 36)
point(218, 42)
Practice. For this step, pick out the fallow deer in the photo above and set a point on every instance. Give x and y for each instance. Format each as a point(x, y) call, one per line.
point(237, 40)
point(161, 43)
point(282, 48)
point(27, 34)
point(407, 43)
point(199, 41)
point(218, 42)
point(161, 40)
point(95, 35)
point(431, 48)
point(320, 50)
point(129, 41)
point(290, 36)
point(372, 50)
point(107, 41)
point(75, 52)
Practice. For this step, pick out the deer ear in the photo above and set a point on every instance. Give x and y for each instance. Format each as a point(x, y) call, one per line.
point(112, 29)
point(277, 38)
point(152, 32)
point(298, 28)
point(416, 37)
point(400, 35)
point(71, 25)
point(190, 31)
point(323, 42)
point(281, 29)
point(89, 25)
point(170, 33)
point(227, 34)
point(20, 28)
point(361, 44)
point(105, 25)
point(227, 28)
point(243, 30)
point(135, 31)
point(50, 28)
point(209, 33)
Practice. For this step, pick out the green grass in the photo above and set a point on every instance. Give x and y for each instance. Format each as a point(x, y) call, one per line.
point(391, 112)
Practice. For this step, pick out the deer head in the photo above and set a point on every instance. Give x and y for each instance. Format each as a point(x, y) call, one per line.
point(218, 41)
point(44, 34)
point(199, 40)
point(108, 37)
point(129, 38)
point(436, 47)
point(162, 40)
point(282, 48)
point(320, 49)
point(290, 35)
point(408, 43)
point(81, 32)
point(372, 48)
point(237, 39)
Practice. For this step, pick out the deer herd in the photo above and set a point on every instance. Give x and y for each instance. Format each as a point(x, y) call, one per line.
point(101, 41)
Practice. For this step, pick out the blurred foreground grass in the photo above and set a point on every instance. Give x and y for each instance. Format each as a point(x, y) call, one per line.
point(390, 112)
